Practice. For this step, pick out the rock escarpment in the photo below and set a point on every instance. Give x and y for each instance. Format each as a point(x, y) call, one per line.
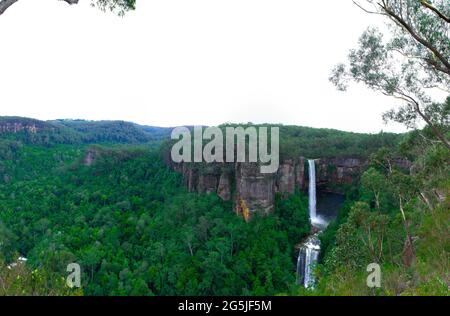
point(250, 190)
point(16, 124)
point(243, 183)
point(332, 174)
point(15, 127)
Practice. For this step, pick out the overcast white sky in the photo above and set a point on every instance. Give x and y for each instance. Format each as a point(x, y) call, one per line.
point(179, 62)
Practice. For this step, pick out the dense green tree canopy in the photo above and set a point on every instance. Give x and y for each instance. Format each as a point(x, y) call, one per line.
point(135, 230)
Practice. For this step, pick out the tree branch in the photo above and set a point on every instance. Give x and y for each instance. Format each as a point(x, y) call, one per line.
point(436, 66)
point(431, 63)
point(439, 13)
point(422, 41)
point(71, 1)
point(5, 4)
point(425, 117)
point(366, 10)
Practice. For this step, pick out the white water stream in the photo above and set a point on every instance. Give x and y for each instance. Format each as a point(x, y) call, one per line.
point(309, 251)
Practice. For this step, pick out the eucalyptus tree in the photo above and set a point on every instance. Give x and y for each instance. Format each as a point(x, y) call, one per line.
point(409, 65)
point(118, 6)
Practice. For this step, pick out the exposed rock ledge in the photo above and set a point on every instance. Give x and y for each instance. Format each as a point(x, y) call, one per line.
point(18, 127)
point(253, 191)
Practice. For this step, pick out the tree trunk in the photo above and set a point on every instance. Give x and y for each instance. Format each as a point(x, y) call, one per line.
point(408, 255)
point(434, 129)
point(425, 199)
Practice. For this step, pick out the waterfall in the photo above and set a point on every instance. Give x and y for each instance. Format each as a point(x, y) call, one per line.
point(309, 252)
point(312, 249)
point(308, 256)
point(316, 221)
point(312, 190)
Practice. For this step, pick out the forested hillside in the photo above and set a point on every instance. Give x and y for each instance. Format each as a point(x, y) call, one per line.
point(129, 222)
point(301, 141)
point(135, 230)
point(48, 133)
point(397, 218)
point(296, 141)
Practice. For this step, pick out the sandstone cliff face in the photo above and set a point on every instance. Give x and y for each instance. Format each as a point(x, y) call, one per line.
point(90, 156)
point(334, 172)
point(291, 176)
point(253, 191)
point(18, 127)
point(224, 188)
point(242, 183)
point(208, 183)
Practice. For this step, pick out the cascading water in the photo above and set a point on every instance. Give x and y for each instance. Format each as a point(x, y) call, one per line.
point(307, 259)
point(312, 190)
point(309, 251)
point(316, 221)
